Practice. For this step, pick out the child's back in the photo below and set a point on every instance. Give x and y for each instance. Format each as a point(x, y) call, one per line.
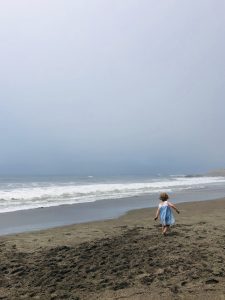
point(165, 213)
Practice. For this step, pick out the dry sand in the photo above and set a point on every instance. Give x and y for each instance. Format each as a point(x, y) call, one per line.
point(125, 258)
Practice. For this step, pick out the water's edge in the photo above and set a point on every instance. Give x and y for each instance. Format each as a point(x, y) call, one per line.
point(44, 218)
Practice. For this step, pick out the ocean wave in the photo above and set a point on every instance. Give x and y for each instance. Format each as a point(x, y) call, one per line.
point(33, 195)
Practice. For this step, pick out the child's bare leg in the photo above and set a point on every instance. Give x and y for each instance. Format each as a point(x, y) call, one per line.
point(166, 228)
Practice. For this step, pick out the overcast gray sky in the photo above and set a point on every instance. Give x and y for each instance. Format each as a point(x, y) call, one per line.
point(112, 86)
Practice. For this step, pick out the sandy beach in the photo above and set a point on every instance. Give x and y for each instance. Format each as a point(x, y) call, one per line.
point(105, 106)
point(123, 258)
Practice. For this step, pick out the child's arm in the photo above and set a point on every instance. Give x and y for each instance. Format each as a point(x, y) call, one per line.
point(157, 214)
point(174, 207)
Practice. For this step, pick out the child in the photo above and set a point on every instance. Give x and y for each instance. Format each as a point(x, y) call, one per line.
point(165, 212)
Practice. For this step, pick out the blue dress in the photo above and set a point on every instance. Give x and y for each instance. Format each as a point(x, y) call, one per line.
point(166, 214)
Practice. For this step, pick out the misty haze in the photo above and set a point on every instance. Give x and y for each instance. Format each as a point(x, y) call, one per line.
point(112, 87)
point(112, 156)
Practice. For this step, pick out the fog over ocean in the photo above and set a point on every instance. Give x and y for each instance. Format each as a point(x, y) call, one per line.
point(112, 87)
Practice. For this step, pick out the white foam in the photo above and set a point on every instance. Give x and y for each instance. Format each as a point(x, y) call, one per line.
point(33, 195)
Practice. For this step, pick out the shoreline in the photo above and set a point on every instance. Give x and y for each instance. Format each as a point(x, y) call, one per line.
point(126, 257)
point(56, 216)
point(134, 217)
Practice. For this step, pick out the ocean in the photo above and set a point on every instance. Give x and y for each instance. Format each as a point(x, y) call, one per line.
point(24, 193)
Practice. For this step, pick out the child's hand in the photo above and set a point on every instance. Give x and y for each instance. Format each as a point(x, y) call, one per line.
point(155, 218)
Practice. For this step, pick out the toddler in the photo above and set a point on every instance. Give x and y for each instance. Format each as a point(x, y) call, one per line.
point(165, 213)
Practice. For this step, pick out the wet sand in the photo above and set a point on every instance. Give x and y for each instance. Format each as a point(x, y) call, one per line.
point(124, 258)
point(58, 216)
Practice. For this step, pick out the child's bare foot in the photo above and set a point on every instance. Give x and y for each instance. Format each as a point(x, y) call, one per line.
point(165, 230)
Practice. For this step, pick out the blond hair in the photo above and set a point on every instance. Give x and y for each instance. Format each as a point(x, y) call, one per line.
point(164, 196)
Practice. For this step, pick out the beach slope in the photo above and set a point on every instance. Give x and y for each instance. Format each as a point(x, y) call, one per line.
point(124, 258)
